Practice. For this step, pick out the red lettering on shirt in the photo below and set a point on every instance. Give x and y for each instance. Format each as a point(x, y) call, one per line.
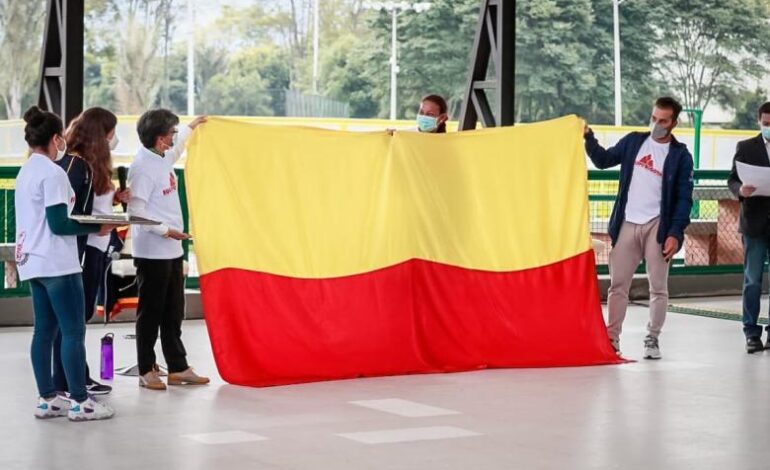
point(171, 185)
point(21, 257)
point(648, 164)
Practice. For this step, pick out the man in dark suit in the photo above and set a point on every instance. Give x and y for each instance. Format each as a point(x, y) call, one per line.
point(755, 227)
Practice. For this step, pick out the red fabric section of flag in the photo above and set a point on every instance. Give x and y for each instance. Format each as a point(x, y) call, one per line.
point(415, 317)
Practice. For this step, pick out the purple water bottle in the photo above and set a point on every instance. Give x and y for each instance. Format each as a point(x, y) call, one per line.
point(107, 363)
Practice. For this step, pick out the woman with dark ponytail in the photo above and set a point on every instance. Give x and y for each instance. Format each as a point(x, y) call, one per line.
point(47, 257)
point(88, 163)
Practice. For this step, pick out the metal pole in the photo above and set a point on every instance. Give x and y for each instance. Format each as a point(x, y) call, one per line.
point(191, 59)
point(618, 99)
point(394, 64)
point(697, 115)
point(61, 66)
point(316, 22)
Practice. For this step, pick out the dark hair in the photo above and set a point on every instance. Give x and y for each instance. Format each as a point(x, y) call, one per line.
point(155, 123)
point(86, 137)
point(764, 109)
point(439, 101)
point(666, 102)
point(41, 127)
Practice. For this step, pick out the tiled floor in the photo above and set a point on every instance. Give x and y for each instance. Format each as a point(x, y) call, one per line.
point(706, 405)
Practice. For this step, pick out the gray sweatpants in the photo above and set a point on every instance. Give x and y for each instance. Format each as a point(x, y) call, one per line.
point(637, 242)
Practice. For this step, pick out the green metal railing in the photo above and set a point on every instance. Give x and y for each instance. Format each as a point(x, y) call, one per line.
point(602, 189)
point(697, 121)
point(8, 228)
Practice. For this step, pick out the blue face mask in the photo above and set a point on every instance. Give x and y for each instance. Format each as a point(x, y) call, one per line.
point(766, 132)
point(426, 123)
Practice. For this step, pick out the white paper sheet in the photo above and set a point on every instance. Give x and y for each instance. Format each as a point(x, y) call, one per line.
point(757, 176)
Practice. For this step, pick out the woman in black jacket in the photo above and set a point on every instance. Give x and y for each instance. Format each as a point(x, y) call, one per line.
point(88, 163)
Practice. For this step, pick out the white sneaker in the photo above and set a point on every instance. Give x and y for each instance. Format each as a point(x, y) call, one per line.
point(53, 408)
point(651, 348)
point(90, 410)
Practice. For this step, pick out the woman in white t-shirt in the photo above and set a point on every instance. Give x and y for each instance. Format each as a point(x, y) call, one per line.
point(47, 257)
point(157, 250)
point(90, 140)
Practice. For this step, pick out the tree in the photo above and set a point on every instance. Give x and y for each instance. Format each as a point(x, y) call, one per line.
point(167, 15)
point(21, 32)
point(139, 75)
point(274, 70)
point(240, 89)
point(746, 105)
point(99, 55)
point(242, 27)
point(640, 85)
point(554, 70)
point(434, 50)
point(346, 78)
point(710, 47)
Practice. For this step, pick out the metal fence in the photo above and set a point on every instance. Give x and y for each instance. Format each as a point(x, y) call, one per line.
point(712, 242)
point(302, 105)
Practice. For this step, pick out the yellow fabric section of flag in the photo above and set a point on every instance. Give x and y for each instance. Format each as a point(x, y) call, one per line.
point(314, 203)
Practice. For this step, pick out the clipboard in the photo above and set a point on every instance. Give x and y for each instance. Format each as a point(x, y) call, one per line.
point(116, 219)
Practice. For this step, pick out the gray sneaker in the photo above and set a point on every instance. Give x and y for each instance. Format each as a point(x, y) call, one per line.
point(651, 348)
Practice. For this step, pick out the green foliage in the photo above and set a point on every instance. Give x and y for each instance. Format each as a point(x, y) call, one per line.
point(434, 54)
point(346, 77)
point(241, 89)
point(711, 47)
point(554, 69)
point(747, 104)
point(704, 53)
point(21, 23)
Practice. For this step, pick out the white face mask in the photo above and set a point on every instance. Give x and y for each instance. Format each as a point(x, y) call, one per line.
point(60, 152)
point(114, 142)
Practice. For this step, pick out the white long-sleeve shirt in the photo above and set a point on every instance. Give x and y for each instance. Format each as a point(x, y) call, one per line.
point(154, 196)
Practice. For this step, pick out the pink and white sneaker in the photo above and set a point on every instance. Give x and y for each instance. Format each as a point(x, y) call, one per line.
point(90, 410)
point(54, 408)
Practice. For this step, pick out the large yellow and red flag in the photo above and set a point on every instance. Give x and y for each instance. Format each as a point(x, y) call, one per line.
point(327, 254)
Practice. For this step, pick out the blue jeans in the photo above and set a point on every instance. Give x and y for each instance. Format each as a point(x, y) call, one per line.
point(94, 265)
point(755, 253)
point(58, 305)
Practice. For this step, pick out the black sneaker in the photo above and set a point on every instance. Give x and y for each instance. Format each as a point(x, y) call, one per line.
point(754, 344)
point(95, 388)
